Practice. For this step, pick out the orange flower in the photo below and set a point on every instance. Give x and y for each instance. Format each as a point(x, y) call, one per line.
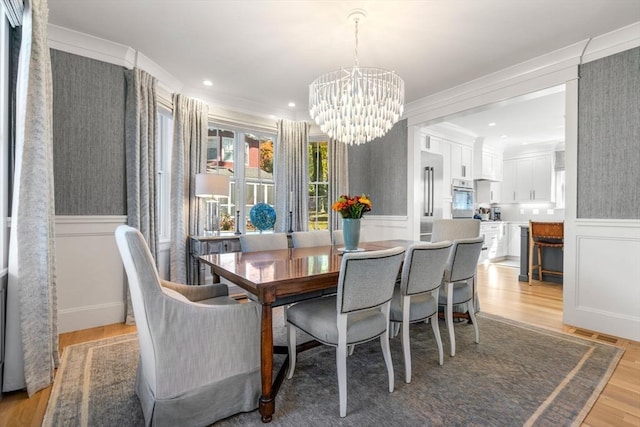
point(352, 207)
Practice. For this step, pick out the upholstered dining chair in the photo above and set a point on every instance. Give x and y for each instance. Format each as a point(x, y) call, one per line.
point(357, 314)
point(305, 239)
point(456, 288)
point(337, 237)
point(193, 369)
point(454, 229)
point(263, 242)
point(416, 299)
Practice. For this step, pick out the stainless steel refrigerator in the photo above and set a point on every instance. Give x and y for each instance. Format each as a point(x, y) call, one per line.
point(431, 191)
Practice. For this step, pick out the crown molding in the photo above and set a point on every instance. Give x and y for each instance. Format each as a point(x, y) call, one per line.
point(89, 46)
point(611, 43)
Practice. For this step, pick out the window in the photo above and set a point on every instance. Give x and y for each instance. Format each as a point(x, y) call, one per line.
point(319, 204)
point(246, 157)
point(165, 136)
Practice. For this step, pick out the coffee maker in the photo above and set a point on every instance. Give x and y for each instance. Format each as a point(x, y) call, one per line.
point(495, 214)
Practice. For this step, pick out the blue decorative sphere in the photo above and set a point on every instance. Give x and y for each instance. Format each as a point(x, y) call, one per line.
point(262, 216)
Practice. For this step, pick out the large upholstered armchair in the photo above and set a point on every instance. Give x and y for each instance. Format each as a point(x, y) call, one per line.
point(199, 349)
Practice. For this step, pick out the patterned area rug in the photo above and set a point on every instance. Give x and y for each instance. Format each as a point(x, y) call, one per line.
point(517, 375)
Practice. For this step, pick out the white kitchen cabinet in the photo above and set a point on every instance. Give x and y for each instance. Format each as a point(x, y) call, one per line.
point(513, 233)
point(461, 161)
point(433, 144)
point(488, 191)
point(446, 171)
point(528, 179)
point(495, 241)
point(508, 187)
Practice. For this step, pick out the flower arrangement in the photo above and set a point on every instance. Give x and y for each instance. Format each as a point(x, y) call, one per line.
point(352, 207)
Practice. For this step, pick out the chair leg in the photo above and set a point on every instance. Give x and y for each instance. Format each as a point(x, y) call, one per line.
point(291, 331)
point(540, 263)
point(472, 314)
point(406, 347)
point(386, 352)
point(341, 364)
point(530, 260)
point(449, 318)
point(351, 348)
point(436, 332)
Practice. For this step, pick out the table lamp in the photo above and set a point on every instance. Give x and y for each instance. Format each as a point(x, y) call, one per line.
point(209, 186)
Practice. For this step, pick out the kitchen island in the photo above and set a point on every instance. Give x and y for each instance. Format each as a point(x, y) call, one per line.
point(552, 258)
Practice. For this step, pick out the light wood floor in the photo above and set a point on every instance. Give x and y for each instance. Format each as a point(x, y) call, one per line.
point(499, 292)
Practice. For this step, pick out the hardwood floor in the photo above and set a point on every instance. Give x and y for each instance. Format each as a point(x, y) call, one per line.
point(499, 292)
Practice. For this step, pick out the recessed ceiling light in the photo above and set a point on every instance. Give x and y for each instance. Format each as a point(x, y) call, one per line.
point(503, 136)
point(292, 104)
point(492, 124)
point(207, 83)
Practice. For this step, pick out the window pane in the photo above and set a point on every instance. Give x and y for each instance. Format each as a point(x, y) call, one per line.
point(318, 186)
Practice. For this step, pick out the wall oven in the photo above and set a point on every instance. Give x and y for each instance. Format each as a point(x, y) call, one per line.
point(462, 198)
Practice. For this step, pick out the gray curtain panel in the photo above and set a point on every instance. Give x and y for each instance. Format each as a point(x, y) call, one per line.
point(292, 175)
point(31, 353)
point(338, 178)
point(187, 159)
point(141, 128)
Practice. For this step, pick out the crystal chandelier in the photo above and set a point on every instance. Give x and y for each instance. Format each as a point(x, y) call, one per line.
point(355, 105)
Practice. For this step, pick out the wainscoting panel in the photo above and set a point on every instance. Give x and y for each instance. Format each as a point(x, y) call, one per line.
point(90, 275)
point(601, 278)
point(383, 227)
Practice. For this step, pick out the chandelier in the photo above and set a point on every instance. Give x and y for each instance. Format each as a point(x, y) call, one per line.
point(355, 105)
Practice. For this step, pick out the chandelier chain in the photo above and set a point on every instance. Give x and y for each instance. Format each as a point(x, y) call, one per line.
point(356, 48)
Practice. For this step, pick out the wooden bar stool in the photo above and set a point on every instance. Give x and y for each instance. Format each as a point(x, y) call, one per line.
point(544, 235)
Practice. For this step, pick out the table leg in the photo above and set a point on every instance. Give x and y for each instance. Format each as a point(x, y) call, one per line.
point(267, 400)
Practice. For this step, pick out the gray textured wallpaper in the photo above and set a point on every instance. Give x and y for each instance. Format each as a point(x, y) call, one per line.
point(88, 136)
point(379, 169)
point(609, 137)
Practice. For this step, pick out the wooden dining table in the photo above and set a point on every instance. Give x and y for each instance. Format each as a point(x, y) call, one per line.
point(281, 277)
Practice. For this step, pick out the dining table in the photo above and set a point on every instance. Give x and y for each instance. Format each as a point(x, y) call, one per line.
point(278, 277)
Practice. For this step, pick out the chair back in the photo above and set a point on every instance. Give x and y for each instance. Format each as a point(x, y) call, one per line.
point(463, 259)
point(306, 239)
point(454, 229)
point(146, 292)
point(423, 267)
point(367, 279)
point(337, 237)
point(263, 242)
point(547, 231)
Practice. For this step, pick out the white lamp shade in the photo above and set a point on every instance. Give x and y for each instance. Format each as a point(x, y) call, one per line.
point(211, 185)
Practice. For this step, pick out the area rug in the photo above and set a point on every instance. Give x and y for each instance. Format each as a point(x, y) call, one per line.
point(517, 375)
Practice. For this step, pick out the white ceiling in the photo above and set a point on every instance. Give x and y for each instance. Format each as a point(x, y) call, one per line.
point(536, 118)
point(266, 52)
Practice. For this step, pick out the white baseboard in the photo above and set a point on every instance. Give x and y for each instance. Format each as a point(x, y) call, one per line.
point(90, 316)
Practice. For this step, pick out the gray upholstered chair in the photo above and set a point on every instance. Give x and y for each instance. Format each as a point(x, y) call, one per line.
point(456, 288)
point(454, 229)
point(305, 239)
point(263, 242)
point(193, 369)
point(337, 238)
point(359, 313)
point(416, 299)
